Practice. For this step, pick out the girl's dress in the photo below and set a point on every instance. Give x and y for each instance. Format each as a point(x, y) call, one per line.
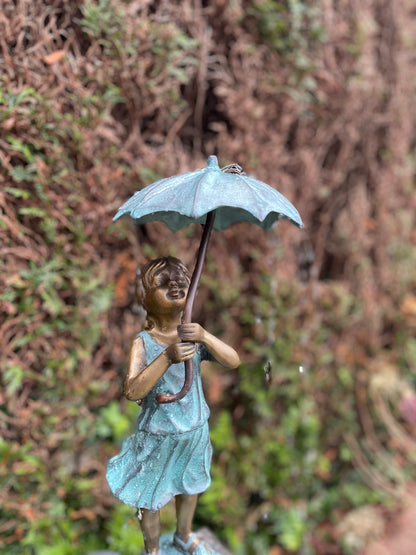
point(170, 453)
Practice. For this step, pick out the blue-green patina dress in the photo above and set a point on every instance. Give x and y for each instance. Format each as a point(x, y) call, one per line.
point(170, 453)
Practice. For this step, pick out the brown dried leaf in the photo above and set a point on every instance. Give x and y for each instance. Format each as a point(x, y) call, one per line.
point(54, 57)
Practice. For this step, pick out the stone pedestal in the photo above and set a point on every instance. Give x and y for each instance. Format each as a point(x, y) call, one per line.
point(167, 547)
point(204, 534)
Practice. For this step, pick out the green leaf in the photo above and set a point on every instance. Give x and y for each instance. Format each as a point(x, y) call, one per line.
point(13, 377)
point(112, 422)
point(22, 173)
point(17, 193)
point(292, 528)
point(32, 211)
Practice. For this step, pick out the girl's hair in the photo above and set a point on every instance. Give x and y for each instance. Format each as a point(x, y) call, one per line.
point(149, 271)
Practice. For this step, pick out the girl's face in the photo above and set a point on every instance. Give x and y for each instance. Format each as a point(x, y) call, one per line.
point(167, 292)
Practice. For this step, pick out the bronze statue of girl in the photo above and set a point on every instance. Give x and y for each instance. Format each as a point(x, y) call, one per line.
point(170, 453)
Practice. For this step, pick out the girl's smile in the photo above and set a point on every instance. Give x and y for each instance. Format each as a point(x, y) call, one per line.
point(175, 291)
point(168, 291)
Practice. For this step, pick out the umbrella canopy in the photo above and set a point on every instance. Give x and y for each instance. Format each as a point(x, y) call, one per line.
point(184, 199)
point(213, 197)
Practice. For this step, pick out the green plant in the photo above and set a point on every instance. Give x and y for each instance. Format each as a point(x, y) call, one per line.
point(294, 30)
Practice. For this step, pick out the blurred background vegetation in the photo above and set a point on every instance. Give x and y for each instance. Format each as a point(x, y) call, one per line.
point(101, 97)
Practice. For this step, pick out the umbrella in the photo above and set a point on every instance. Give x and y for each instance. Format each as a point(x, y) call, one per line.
point(215, 198)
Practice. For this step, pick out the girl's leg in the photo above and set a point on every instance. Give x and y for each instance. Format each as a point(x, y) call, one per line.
point(185, 509)
point(150, 525)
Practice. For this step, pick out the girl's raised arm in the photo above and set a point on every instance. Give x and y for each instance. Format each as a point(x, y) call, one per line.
point(223, 353)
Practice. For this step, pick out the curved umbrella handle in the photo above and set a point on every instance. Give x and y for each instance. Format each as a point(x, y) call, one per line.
point(187, 313)
point(189, 376)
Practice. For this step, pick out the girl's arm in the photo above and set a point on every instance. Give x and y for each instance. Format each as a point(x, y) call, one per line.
point(140, 378)
point(223, 353)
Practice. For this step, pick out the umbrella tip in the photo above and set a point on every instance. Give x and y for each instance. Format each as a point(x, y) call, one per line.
point(212, 162)
point(118, 215)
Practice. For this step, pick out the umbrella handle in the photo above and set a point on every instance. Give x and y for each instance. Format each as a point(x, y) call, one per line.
point(189, 376)
point(187, 313)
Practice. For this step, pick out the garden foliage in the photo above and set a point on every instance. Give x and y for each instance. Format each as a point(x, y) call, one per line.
point(101, 97)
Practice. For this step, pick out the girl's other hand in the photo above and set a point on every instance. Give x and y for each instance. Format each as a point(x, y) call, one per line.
point(191, 332)
point(179, 352)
